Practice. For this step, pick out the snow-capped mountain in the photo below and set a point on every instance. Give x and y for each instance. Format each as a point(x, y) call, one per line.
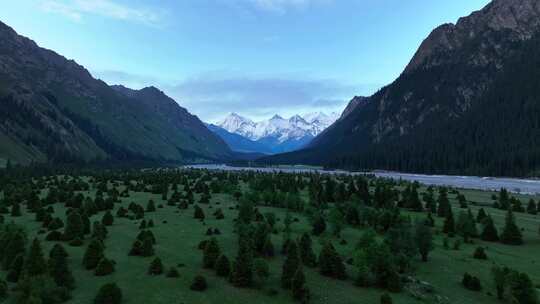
point(276, 134)
point(281, 128)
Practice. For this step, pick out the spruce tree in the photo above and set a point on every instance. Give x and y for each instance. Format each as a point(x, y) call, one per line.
point(290, 266)
point(59, 268)
point(489, 233)
point(15, 269)
point(424, 240)
point(306, 251)
point(109, 294)
point(242, 268)
point(107, 219)
point(443, 203)
point(299, 290)
point(147, 248)
point(156, 267)
point(449, 226)
point(511, 234)
point(223, 266)
point(211, 253)
point(74, 226)
point(330, 263)
point(93, 254)
point(15, 244)
point(35, 263)
point(104, 267)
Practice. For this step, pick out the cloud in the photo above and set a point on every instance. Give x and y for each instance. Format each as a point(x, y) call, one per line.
point(259, 97)
point(77, 9)
point(213, 95)
point(279, 7)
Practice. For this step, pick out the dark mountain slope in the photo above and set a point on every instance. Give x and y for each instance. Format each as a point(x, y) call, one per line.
point(56, 111)
point(466, 104)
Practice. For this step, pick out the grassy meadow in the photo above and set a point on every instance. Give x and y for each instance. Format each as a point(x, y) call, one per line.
point(178, 235)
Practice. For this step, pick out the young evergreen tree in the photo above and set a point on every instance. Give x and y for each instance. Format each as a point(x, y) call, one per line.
point(306, 251)
point(489, 233)
point(330, 263)
point(424, 240)
point(35, 264)
point(156, 267)
point(15, 269)
point(223, 266)
point(298, 285)
point(242, 268)
point(74, 226)
point(449, 226)
point(109, 294)
point(107, 219)
point(211, 253)
point(104, 267)
point(59, 268)
point(511, 235)
point(290, 266)
point(93, 254)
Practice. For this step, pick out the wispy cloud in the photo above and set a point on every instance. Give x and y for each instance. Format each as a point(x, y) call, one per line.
point(275, 6)
point(213, 95)
point(76, 10)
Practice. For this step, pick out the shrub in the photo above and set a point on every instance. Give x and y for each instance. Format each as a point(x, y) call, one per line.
point(104, 267)
point(156, 267)
point(199, 283)
point(480, 254)
point(172, 273)
point(471, 282)
point(109, 294)
point(386, 299)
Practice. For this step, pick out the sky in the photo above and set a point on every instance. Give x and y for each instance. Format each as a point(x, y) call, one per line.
point(253, 57)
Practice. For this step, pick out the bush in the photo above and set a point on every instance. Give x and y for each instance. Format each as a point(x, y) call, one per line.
point(386, 299)
point(156, 267)
point(54, 236)
point(109, 294)
point(104, 267)
point(480, 254)
point(471, 282)
point(172, 273)
point(199, 283)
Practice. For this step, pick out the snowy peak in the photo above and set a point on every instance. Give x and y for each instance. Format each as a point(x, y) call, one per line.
point(279, 128)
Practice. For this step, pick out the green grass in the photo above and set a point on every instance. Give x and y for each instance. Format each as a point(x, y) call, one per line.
point(177, 242)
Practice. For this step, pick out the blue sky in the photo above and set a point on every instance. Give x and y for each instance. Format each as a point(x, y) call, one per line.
point(253, 57)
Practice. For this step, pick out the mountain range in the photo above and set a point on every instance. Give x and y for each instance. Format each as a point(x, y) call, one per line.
point(467, 103)
point(53, 110)
point(272, 136)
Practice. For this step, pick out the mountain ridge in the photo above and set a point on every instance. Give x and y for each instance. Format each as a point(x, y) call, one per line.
point(56, 111)
point(415, 123)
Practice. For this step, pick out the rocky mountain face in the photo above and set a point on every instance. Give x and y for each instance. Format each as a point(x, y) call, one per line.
point(457, 108)
point(54, 110)
point(275, 135)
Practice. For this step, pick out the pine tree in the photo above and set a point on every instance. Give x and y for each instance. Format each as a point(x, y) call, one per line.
point(15, 269)
point(268, 249)
point(306, 251)
point(223, 266)
point(211, 253)
point(147, 248)
point(449, 226)
point(74, 226)
point(330, 263)
point(242, 268)
point(107, 219)
point(424, 240)
point(299, 290)
point(59, 267)
point(531, 207)
point(199, 213)
point(481, 216)
point(104, 267)
point(290, 266)
point(156, 267)
point(443, 203)
point(93, 254)
point(15, 245)
point(511, 234)
point(489, 233)
point(35, 263)
point(109, 294)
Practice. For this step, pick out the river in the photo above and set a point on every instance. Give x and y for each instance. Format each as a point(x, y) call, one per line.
point(515, 185)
